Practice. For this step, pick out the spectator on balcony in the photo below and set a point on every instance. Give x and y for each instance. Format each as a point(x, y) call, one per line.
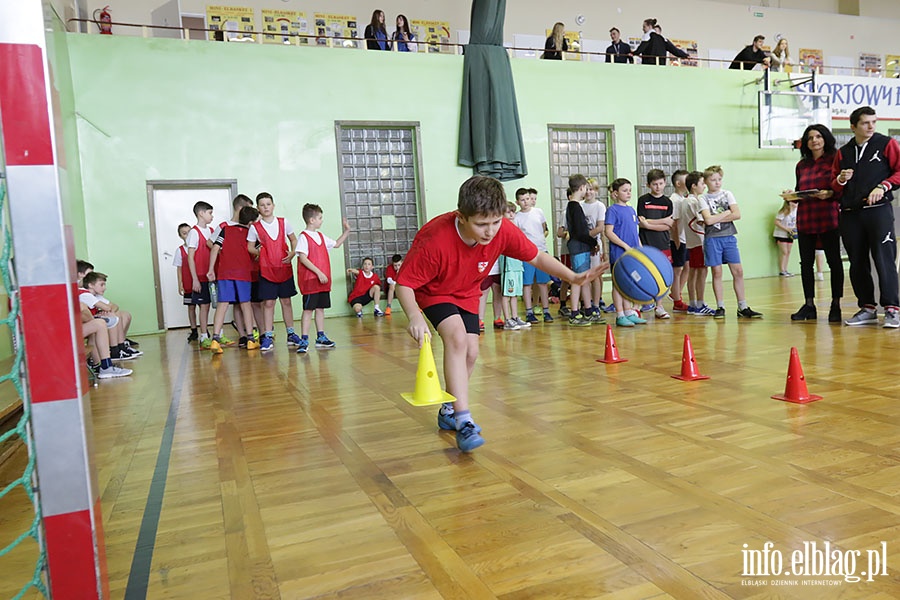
point(618, 51)
point(376, 34)
point(780, 58)
point(751, 56)
point(654, 46)
point(556, 44)
point(403, 37)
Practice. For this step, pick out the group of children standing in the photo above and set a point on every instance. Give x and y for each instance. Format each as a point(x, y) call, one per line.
point(246, 262)
point(694, 228)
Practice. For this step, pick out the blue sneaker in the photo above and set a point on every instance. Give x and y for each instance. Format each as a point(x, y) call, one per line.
point(467, 439)
point(624, 322)
point(610, 308)
point(530, 318)
point(293, 340)
point(323, 342)
point(266, 344)
point(303, 346)
point(448, 422)
point(636, 319)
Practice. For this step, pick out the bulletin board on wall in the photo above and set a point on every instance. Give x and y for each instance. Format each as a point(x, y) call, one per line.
point(285, 27)
point(812, 60)
point(432, 33)
point(870, 63)
point(693, 52)
point(235, 21)
point(332, 26)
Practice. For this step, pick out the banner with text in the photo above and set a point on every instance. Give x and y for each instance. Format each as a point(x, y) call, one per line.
point(848, 93)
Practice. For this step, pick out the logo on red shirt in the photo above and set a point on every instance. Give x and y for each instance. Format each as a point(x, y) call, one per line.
point(482, 266)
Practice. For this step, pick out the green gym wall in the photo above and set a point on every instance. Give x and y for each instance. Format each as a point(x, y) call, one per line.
point(151, 109)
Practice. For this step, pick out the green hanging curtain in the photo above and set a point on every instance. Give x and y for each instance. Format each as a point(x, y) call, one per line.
point(490, 137)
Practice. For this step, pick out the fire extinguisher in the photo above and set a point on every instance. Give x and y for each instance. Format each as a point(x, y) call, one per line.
point(103, 20)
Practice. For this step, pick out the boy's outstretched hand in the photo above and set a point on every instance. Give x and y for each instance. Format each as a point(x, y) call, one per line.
point(590, 274)
point(418, 328)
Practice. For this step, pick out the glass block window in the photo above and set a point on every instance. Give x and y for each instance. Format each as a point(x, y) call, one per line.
point(668, 149)
point(585, 149)
point(895, 133)
point(841, 137)
point(380, 189)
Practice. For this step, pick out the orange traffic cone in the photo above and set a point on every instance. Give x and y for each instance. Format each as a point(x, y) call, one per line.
point(795, 388)
point(689, 370)
point(612, 352)
point(428, 386)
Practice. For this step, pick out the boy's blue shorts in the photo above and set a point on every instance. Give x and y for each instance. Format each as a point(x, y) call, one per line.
point(231, 291)
point(721, 250)
point(532, 275)
point(581, 262)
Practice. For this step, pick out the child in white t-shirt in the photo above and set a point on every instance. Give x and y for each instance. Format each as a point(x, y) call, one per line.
point(532, 222)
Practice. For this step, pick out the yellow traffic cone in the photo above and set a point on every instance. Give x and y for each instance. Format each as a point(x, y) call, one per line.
point(428, 386)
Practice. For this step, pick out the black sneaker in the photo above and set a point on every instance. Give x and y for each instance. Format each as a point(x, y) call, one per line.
point(131, 352)
point(748, 313)
point(242, 341)
point(720, 313)
point(806, 313)
point(131, 342)
point(194, 336)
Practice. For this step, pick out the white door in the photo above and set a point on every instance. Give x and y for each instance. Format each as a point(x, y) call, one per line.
point(172, 205)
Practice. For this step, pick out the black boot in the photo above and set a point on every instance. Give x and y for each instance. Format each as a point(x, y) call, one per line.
point(806, 313)
point(834, 314)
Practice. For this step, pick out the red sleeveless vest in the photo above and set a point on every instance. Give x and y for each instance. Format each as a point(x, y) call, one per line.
point(234, 261)
point(307, 281)
point(272, 252)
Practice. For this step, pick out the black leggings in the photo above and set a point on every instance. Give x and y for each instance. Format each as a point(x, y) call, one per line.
point(831, 244)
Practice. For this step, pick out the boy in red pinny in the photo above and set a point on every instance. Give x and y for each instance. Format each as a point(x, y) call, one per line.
point(314, 275)
point(272, 239)
point(183, 274)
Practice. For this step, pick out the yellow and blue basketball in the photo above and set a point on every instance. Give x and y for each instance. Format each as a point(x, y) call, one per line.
point(642, 275)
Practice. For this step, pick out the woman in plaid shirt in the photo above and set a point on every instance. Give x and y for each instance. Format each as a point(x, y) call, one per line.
point(817, 221)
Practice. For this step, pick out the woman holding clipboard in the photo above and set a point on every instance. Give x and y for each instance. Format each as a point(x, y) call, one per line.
point(817, 220)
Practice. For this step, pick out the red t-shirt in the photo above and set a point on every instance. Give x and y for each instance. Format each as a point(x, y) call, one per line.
point(441, 268)
point(363, 285)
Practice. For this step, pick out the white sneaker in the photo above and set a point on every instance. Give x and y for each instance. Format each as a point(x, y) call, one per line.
point(522, 324)
point(661, 312)
point(820, 276)
point(511, 325)
point(114, 371)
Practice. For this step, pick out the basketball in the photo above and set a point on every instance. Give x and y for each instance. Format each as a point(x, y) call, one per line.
point(642, 275)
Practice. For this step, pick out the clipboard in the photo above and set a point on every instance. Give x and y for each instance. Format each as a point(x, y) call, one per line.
point(799, 195)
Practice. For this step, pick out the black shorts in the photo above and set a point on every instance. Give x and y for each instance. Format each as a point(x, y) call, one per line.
point(188, 299)
point(201, 297)
point(779, 240)
point(317, 300)
point(364, 299)
point(269, 290)
point(254, 291)
point(439, 312)
point(679, 255)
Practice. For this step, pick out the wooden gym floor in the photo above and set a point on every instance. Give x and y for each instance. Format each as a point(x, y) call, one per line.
point(295, 476)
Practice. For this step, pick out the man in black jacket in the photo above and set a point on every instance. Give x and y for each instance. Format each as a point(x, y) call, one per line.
point(618, 51)
point(867, 169)
point(751, 55)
